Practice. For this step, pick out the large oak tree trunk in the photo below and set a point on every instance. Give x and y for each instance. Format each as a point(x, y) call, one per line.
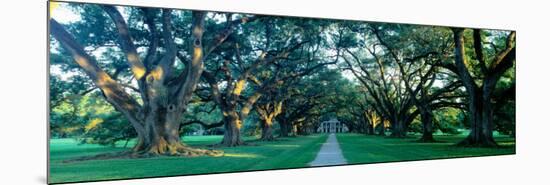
point(294, 130)
point(481, 122)
point(232, 133)
point(267, 130)
point(398, 128)
point(480, 105)
point(370, 129)
point(161, 137)
point(372, 120)
point(285, 128)
point(233, 121)
point(427, 126)
point(268, 112)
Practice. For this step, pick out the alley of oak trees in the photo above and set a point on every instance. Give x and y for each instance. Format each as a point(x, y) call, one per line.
point(153, 75)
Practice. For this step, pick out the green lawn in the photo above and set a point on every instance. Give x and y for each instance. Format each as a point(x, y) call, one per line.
point(359, 148)
point(284, 153)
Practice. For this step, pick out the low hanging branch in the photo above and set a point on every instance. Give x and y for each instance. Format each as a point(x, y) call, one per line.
point(157, 119)
point(205, 125)
point(114, 92)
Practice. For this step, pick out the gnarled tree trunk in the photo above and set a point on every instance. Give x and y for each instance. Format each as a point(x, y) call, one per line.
point(427, 125)
point(481, 119)
point(398, 128)
point(232, 133)
point(267, 130)
point(373, 119)
point(285, 128)
point(478, 136)
point(234, 119)
point(268, 111)
point(161, 137)
point(480, 105)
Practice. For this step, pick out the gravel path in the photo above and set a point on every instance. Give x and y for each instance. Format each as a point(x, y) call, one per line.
point(330, 153)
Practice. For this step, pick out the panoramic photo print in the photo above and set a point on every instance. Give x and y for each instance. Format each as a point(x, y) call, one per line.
point(139, 92)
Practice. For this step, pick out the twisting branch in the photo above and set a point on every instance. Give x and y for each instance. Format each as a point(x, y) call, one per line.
point(205, 125)
point(478, 47)
point(164, 68)
point(195, 67)
point(151, 56)
point(125, 41)
point(507, 55)
point(114, 92)
point(222, 36)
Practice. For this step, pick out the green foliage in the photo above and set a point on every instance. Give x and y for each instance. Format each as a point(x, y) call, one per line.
point(90, 119)
point(107, 130)
point(415, 126)
point(94, 27)
point(251, 126)
point(505, 120)
point(449, 120)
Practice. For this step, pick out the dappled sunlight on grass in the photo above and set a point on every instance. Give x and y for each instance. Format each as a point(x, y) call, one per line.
point(286, 146)
point(241, 155)
point(289, 152)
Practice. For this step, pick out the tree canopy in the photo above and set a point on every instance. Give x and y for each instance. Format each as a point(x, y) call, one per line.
point(154, 75)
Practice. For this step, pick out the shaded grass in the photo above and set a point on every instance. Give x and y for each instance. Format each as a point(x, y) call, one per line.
point(283, 153)
point(358, 148)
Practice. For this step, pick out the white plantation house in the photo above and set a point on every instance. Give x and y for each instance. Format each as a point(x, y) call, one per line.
point(332, 126)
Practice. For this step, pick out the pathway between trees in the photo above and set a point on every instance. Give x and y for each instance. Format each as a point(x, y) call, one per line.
point(330, 153)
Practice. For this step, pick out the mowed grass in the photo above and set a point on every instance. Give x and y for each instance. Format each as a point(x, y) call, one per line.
point(358, 148)
point(283, 153)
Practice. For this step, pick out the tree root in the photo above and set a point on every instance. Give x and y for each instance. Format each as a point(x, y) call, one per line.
point(179, 151)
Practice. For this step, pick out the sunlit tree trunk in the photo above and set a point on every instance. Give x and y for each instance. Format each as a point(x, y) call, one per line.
point(232, 133)
point(267, 112)
point(267, 130)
